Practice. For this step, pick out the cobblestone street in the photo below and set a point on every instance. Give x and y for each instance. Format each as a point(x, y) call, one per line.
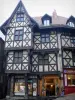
point(68, 97)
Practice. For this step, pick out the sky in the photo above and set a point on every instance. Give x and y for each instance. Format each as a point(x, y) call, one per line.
point(64, 8)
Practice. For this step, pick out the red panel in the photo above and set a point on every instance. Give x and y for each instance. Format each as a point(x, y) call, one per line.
point(69, 89)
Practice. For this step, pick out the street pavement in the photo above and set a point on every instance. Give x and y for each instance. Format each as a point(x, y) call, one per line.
point(67, 97)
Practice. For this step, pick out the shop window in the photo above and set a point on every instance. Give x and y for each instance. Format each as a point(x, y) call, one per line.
point(71, 80)
point(32, 87)
point(19, 88)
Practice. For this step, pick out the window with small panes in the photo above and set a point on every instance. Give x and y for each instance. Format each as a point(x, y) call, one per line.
point(20, 17)
point(18, 35)
point(43, 59)
point(45, 38)
point(17, 57)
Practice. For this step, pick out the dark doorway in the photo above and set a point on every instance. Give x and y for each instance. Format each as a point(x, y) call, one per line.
point(50, 90)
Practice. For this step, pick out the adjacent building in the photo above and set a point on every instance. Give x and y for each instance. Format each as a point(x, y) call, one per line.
point(2, 73)
point(40, 54)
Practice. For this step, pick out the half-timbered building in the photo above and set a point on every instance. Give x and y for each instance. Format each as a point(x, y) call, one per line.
point(39, 54)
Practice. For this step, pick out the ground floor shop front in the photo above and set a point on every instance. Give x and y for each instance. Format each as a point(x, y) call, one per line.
point(69, 80)
point(33, 85)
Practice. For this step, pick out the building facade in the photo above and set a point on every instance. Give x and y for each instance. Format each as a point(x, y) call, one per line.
point(2, 74)
point(39, 54)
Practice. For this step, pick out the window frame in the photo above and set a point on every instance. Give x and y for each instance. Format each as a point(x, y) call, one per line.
point(45, 37)
point(17, 80)
point(46, 22)
point(18, 57)
point(71, 80)
point(43, 59)
point(18, 35)
point(19, 17)
point(71, 24)
point(73, 57)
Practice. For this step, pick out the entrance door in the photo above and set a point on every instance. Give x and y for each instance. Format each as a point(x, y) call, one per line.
point(48, 85)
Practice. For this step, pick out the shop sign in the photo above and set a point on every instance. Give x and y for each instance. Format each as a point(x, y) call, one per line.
point(69, 71)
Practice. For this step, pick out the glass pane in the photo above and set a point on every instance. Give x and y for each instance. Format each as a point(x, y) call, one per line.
point(18, 15)
point(20, 37)
point(16, 54)
point(20, 60)
point(18, 19)
point(20, 54)
point(48, 22)
point(40, 57)
point(30, 87)
point(16, 37)
point(45, 61)
point(43, 40)
point(21, 32)
point(43, 35)
point(45, 22)
point(46, 57)
point(16, 32)
point(47, 39)
point(40, 61)
point(22, 15)
point(47, 35)
point(19, 88)
point(22, 19)
point(72, 41)
point(15, 60)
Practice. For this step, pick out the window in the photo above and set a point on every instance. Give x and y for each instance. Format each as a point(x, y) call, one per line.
point(19, 88)
point(20, 17)
point(46, 22)
point(18, 35)
point(73, 41)
point(40, 59)
point(43, 59)
point(73, 55)
point(71, 80)
point(45, 38)
point(46, 59)
point(70, 24)
point(17, 57)
point(32, 87)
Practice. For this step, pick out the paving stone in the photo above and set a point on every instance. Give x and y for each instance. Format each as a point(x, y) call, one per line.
point(68, 97)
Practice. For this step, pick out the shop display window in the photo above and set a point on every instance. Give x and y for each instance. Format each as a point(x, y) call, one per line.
point(19, 88)
point(71, 80)
point(32, 87)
